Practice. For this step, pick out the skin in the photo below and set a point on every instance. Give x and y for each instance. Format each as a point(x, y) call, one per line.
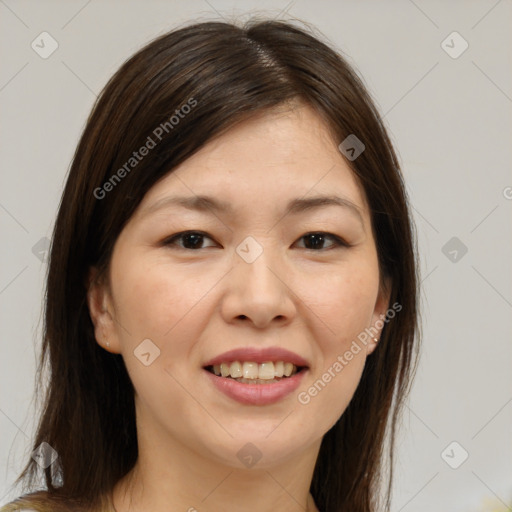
point(197, 303)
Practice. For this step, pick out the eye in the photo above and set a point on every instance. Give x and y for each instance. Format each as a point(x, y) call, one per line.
point(191, 240)
point(314, 241)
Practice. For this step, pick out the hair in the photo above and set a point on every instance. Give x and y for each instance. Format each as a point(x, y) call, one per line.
point(225, 73)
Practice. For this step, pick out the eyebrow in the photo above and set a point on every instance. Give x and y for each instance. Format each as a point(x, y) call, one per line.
point(209, 204)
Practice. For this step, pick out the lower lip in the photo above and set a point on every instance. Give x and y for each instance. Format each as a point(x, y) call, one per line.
point(257, 394)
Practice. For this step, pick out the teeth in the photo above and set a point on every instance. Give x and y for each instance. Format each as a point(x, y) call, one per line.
point(250, 370)
point(224, 369)
point(256, 381)
point(235, 370)
point(266, 371)
point(254, 372)
point(288, 369)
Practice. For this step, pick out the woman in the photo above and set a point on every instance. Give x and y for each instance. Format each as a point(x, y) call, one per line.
point(231, 310)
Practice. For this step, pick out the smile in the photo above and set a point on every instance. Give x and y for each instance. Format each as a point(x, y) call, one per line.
point(256, 375)
point(249, 372)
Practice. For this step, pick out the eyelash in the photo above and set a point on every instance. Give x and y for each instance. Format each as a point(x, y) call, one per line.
point(338, 242)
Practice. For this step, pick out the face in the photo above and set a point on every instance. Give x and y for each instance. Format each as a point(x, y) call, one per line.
point(264, 267)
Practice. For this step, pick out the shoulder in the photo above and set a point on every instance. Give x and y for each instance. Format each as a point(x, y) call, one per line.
point(40, 501)
point(26, 503)
point(33, 502)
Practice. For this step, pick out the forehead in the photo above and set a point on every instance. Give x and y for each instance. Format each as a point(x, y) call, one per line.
point(270, 158)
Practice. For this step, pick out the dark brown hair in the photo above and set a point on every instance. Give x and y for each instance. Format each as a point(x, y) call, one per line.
point(225, 73)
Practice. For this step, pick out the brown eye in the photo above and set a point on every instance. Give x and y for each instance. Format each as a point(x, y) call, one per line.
point(192, 240)
point(315, 241)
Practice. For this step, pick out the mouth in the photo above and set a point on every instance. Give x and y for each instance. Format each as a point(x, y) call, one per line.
point(256, 375)
point(251, 372)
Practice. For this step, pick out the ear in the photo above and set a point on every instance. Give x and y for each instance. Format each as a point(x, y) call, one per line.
point(379, 314)
point(101, 310)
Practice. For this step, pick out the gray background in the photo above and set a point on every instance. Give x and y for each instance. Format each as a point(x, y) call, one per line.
point(450, 120)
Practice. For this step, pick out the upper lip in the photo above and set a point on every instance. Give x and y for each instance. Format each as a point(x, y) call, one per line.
point(258, 355)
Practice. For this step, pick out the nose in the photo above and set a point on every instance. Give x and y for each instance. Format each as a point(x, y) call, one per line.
point(258, 293)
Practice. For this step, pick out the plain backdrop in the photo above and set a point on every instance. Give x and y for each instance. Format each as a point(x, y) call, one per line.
point(448, 111)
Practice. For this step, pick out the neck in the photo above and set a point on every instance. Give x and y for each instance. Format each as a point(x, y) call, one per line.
point(169, 475)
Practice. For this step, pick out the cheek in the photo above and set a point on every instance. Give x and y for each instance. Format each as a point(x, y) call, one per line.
point(153, 299)
point(343, 303)
point(326, 397)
